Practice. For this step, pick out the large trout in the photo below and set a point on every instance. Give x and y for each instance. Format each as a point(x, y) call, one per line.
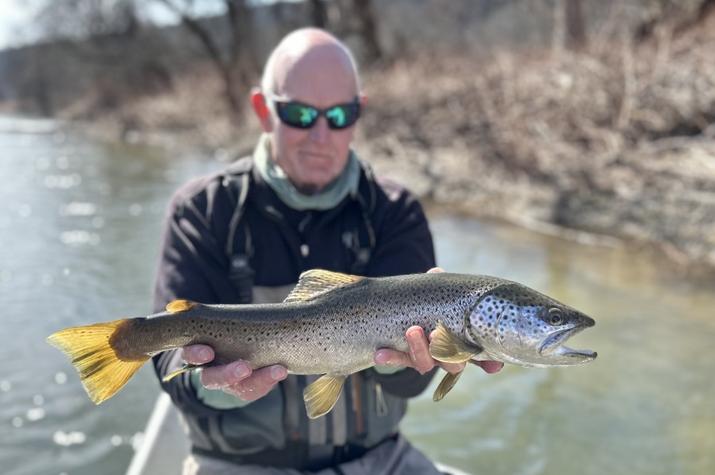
point(332, 324)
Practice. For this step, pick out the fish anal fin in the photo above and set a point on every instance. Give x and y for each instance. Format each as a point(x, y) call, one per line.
point(316, 282)
point(180, 305)
point(446, 385)
point(447, 347)
point(321, 395)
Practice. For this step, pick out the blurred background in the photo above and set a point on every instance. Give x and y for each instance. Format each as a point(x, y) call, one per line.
point(566, 144)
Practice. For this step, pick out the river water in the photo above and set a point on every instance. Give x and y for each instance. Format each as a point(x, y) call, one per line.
point(79, 229)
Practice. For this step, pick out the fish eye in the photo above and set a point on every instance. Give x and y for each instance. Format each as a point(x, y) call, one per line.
point(556, 317)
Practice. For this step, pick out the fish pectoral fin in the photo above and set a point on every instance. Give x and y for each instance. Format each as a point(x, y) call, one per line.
point(184, 369)
point(321, 395)
point(446, 385)
point(316, 282)
point(180, 305)
point(447, 347)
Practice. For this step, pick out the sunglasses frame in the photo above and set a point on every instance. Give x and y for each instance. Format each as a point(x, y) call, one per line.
point(279, 102)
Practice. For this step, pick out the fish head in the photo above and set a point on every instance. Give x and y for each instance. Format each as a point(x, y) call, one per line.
point(519, 325)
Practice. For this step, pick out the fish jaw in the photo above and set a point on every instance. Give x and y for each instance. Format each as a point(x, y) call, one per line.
point(518, 325)
point(554, 350)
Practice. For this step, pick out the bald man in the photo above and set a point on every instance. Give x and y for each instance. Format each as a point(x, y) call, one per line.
point(302, 200)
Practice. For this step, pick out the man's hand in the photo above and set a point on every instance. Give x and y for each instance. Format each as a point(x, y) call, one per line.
point(235, 378)
point(419, 356)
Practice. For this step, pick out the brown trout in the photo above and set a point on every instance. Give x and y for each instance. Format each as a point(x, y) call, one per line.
point(332, 324)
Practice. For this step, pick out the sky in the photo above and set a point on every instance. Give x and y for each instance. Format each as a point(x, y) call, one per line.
point(15, 21)
point(16, 17)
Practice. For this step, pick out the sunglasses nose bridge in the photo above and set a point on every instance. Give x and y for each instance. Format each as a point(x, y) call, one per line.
point(320, 130)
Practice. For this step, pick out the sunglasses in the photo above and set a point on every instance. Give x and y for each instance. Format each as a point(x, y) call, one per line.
point(302, 116)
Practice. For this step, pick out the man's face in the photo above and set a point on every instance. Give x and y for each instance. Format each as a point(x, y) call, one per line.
point(313, 158)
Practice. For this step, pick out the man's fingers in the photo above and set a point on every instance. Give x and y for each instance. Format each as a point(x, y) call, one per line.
point(388, 357)
point(219, 377)
point(258, 384)
point(435, 269)
point(453, 368)
point(419, 349)
point(197, 354)
point(490, 367)
point(238, 379)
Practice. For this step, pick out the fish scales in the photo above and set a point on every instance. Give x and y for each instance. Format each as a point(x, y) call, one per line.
point(332, 324)
point(337, 332)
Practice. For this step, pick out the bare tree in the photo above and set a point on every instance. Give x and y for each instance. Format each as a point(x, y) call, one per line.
point(704, 9)
point(674, 16)
point(569, 25)
point(99, 49)
point(83, 19)
point(367, 28)
point(357, 18)
point(575, 25)
point(318, 13)
point(37, 88)
point(233, 62)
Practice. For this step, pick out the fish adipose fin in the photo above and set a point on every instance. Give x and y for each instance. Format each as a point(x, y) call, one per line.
point(101, 370)
point(446, 385)
point(321, 395)
point(180, 305)
point(447, 347)
point(316, 282)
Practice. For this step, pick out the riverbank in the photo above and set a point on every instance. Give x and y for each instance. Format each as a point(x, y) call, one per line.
point(617, 141)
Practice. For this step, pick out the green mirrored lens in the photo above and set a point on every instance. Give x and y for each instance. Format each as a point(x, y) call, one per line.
point(337, 115)
point(299, 115)
point(308, 115)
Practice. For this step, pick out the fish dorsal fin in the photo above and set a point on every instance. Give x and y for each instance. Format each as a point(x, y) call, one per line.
point(317, 282)
point(447, 347)
point(179, 305)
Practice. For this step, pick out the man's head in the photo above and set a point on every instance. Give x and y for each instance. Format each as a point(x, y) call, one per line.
point(312, 67)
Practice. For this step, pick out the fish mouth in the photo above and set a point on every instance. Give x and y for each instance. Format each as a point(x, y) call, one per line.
point(554, 344)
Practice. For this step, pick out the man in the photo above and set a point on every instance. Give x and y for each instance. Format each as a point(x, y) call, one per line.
point(302, 201)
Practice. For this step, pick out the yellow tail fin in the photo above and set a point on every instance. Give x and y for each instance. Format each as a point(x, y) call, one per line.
point(102, 372)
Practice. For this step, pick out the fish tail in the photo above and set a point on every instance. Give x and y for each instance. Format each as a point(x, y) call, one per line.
point(102, 371)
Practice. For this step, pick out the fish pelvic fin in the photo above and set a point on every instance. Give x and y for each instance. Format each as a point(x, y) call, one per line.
point(179, 305)
point(184, 369)
point(102, 372)
point(447, 347)
point(446, 385)
point(321, 395)
point(315, 282)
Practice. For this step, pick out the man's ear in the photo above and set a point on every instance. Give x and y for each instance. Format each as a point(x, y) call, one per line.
point(363, 100)
point(260, 107)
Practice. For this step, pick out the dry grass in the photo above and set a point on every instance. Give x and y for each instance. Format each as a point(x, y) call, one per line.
point(617, 139)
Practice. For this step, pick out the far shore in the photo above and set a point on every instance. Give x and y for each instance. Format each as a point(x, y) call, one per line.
point(539, 141)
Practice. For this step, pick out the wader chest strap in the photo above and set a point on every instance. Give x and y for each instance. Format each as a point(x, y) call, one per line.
point(240, 272)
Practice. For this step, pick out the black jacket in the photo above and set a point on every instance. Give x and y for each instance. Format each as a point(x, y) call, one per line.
point(229, 231)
